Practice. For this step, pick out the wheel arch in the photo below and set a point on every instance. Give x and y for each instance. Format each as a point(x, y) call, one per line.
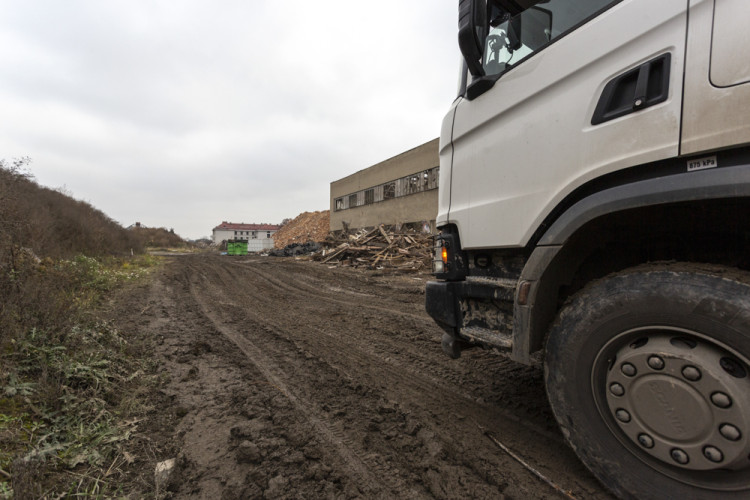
point(692, 216)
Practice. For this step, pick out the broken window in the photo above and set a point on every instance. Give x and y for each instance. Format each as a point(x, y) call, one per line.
point(389, 190)
point(402, 187)
point(434, 178)
point(413, 184)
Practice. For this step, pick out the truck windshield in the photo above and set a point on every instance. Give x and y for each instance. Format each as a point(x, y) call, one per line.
point(513, 38)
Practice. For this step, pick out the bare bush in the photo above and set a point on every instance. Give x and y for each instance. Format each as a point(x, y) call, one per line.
point(53, 224)
point(157, 237)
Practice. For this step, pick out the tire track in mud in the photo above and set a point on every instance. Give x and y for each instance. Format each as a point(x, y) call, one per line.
point(412, 387)
point(480, 477)
point(319, 295)
point(356, 465)
point(432, 374)
point(420, 377)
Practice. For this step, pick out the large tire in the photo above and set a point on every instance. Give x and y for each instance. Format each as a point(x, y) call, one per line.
point(648, 374)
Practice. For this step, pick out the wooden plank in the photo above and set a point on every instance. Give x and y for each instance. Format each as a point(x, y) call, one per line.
point(385, 235)
point(341, 249)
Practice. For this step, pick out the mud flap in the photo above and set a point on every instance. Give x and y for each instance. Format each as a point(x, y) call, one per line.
point(441, 303)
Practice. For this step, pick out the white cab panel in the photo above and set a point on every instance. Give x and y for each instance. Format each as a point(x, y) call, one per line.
point(730, 43)
point(445, 152)
point(528, 142)
point(715, 116)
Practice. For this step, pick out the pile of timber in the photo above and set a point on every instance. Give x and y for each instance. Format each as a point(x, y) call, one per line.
point(403, 250)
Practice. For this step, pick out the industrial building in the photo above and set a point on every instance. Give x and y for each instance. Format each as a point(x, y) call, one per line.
point(400, 190)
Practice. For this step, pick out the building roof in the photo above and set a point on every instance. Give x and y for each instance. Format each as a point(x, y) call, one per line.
point(233, 226)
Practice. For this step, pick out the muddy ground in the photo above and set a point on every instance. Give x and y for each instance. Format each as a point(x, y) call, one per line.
point(287, 379)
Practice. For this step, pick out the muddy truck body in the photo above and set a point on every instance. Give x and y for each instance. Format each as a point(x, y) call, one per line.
point(594, 213)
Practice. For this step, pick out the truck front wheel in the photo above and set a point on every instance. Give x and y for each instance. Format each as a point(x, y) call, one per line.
point(648, 374)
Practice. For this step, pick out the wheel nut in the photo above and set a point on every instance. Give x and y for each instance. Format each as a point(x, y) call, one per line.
point(646, 440)
point(680, 456)
point(622, 416)
point(730, 432)
point(713, 454)
point(656, 363)
point(629, 370)
point(691, 373)
point(617, 389)
point(721, 400)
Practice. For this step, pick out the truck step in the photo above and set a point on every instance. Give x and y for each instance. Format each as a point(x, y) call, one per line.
point(488, 337)
point(502, 289)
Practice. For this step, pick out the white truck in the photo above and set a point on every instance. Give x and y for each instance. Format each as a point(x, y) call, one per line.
point(594, 212)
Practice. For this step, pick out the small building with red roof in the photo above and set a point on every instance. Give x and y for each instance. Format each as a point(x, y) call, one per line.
point(259, 237)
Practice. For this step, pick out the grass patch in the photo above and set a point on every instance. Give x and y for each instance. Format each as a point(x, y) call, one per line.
point(71, 385)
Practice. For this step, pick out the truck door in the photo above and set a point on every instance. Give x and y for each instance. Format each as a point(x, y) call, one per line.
point(717, 77)
point(580, 89)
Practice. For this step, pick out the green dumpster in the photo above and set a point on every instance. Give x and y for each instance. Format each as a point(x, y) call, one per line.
point(236, 247)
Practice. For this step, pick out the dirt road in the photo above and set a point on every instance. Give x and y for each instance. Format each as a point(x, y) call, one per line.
point(292, 380)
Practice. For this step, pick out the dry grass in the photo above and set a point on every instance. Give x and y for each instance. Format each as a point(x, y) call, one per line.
point(70, 383)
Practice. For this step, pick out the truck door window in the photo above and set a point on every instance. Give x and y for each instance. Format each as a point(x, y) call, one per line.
point(513, 38)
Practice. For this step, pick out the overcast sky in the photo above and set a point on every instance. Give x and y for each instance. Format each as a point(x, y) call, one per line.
point(183, 114)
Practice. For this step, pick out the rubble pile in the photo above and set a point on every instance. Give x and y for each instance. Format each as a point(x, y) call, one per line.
point(399, 249)
point(306, 227)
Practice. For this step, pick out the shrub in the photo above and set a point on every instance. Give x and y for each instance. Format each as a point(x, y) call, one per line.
point(65, 375)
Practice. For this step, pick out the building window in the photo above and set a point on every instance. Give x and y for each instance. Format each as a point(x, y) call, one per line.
point(389, 190)
point(268, 234)
point(413, 185)
point(434, 178)
point(425, 180)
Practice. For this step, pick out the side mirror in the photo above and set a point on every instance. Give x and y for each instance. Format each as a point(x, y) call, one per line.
point(537, 29)
point(472, 27)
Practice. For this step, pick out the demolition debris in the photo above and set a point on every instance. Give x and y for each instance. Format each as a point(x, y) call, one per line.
point(306, 227)
point(379, 248)
point(399, 248)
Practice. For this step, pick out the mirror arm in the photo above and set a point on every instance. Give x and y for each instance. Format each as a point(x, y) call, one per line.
point(471, 24)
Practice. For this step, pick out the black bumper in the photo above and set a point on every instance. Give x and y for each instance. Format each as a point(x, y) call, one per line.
point(442, 298)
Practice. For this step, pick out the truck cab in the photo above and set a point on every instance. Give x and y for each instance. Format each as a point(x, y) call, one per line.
point(593, 201)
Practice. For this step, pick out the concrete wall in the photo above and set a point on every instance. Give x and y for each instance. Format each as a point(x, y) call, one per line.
point(259, 245)
point(417, 207)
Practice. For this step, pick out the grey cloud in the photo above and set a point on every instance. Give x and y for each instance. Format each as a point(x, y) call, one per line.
point(189, 113)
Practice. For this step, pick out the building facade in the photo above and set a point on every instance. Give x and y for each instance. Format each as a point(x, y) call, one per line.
point(259, 237)
point(400, 190)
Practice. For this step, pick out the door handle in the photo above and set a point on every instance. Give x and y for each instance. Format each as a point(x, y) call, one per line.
point(641, 86)
point(634, 90)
